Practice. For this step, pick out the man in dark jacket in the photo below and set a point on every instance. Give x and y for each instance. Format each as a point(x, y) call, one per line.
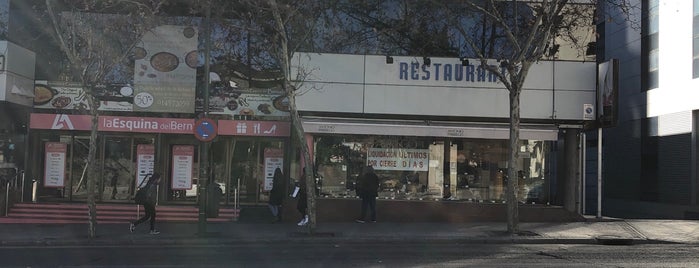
point(368, 191)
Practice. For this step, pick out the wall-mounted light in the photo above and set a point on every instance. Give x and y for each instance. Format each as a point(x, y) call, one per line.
point(426, 61)
point(464, 61)
point(389, 59)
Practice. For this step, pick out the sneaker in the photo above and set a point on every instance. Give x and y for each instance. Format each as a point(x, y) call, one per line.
point(373, 221)
point(132, 227)
point(359, 221)
point(303, 222)
point(154, 232)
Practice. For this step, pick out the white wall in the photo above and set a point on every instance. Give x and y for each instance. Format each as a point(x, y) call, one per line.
point(17, 74)
point(677, 90)
point(367, 84)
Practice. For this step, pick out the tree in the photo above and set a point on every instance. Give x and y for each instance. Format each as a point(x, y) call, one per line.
point(285, 27)
point(526, 32)
point(97, 37)
point(515, 33)
point(283, 53)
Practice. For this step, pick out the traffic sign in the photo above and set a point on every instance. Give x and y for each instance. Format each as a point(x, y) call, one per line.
point(205, 129)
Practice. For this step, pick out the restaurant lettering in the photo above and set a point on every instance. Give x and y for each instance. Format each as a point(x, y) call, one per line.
point(447, 72)
point(131, 124)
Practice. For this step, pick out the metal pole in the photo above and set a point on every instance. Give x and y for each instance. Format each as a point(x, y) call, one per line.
point(7, 198)
point(23, 189)
point(204, 164)
point(599, 173)
point(235, 202)
point(583, 178)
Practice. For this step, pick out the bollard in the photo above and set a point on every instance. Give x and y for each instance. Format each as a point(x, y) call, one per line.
point(34, 188)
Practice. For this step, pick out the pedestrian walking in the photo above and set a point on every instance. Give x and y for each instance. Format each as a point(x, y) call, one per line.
point(148, 202)
point(302, 202)
point(368, 188)
point(276, 195)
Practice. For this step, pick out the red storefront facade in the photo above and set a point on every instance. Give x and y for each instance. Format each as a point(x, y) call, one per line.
point(129, 146)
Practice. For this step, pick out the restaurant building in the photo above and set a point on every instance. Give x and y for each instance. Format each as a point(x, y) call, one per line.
point(150, 125)
point(437, 135)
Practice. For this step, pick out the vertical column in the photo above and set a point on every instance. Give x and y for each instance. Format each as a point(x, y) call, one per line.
point(571, 173)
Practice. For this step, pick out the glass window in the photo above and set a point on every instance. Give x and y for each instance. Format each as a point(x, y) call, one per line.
point(402, 164)
point(650, 44)
point(482, 170)
point(415, 168)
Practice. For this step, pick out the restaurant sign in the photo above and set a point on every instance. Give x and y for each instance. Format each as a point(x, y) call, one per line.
point(157, 125)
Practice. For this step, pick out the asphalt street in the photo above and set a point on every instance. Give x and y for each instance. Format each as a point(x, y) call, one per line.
point(345, 254)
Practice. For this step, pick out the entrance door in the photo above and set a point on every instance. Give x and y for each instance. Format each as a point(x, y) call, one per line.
point(245, 169)
point(117, 169)
point(248, 166)
point(78, 168)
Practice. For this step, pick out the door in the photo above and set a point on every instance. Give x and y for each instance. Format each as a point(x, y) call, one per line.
point(245, 169)
point(78, 167)
point(251, 162)
point(117, 169)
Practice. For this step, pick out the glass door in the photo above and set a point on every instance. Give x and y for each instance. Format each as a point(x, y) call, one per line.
point(78, 167)
point(245, 169)
point(117, 169)
point(249, 160)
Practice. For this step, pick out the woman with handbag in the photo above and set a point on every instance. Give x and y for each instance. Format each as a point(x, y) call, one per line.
point(302, 202)
point(276, 195)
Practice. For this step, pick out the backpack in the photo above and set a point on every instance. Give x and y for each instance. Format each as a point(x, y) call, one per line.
point(141, 196)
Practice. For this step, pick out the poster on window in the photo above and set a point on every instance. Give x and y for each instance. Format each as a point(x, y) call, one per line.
point(55, 164)
point(145, 161)
point(182, 167)
point(608, 92)
point(273, 160)
point(398, 159)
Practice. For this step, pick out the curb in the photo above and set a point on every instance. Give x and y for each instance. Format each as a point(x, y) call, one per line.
point(196, 241)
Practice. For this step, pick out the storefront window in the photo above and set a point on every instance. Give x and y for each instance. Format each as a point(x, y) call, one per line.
point(415, 168)
point(402, 164)
point(482, 170)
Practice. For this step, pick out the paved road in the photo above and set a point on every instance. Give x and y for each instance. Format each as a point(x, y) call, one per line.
point(324, 254)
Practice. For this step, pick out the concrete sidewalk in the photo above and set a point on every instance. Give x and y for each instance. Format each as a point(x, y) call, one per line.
point(590, 232)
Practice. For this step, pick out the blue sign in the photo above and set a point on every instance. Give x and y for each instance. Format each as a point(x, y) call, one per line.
point(205, 129)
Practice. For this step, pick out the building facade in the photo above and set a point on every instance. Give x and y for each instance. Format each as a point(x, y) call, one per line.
point(439, 132)
point(436, 132)
point(650, 155)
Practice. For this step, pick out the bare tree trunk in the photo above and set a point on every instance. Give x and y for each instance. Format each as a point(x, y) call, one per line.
point(512, 181)
point(92, 168)
point(285, 59)
point(310, 180)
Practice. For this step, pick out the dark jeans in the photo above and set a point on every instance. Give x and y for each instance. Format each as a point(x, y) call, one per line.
point(150, 214)
point(368, 201)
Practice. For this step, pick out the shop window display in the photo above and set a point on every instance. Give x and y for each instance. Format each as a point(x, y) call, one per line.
point(418, 168)
point(401, 164)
